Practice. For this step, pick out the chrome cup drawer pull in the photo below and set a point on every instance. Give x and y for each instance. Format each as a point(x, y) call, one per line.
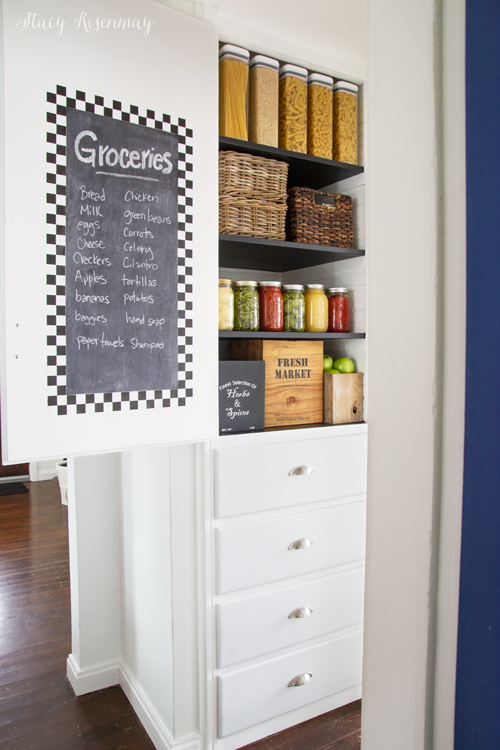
point(300, 679)
point(300, 612)
point(298, 471)
point(300, 543)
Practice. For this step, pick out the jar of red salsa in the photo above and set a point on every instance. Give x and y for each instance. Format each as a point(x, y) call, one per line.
point(339, 310)
point(271, 306)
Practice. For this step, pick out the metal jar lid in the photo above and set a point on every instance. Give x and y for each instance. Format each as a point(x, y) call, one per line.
point(293, 288)
point(270, 283)
point(337, 290)
point(315, 286)
point(225, 281)
point(245, 283)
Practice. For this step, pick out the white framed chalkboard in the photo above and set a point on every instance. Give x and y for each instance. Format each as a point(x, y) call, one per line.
point(110, 244)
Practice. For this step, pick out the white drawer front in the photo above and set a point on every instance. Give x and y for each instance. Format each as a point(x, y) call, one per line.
point(254, 478)
point(252, 553)
point(260, 692)
point(252, 626)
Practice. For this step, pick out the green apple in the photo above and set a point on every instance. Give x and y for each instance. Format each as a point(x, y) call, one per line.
point(327, 362)
point(333, 370)
point(344, 365)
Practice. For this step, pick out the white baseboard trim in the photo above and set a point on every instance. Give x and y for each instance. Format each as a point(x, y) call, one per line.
point(89, 680)
point(43, 474)
point(154, 726)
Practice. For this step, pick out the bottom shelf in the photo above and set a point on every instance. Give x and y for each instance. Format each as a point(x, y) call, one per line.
point(288, 335)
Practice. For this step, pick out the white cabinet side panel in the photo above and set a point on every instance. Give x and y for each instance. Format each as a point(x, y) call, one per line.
point(161, 63)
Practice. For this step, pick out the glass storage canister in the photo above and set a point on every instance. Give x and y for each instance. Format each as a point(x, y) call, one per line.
point(233, 91)
point(226, 305)
point(271, 306)
point(345, 122)
point(293, 108)
point(339, 310)
point(316, 309)
point(294, 308)
point(263, 89)
point(246, 306)
point(319, 115)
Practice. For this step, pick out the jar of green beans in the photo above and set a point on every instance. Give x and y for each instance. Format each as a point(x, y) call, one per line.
point(246, 306)
point(294, 307)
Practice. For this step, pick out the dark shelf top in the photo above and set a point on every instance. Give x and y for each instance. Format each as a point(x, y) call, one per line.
point(285, 335)
point(254, 253)
point(303, 170)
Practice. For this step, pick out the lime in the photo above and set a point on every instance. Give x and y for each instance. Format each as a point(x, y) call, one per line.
point(333, 370)
point(344, 365)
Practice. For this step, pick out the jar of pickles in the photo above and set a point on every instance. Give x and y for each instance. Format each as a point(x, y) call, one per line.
point(263, 100)
point(294, 307)
point(339, 310)
point(226, 305)
point(293, 108)
point(316, 309)
point(233, 91)
point(271, 306)
point(319, 115)
point(345, 122)
point(246, 306)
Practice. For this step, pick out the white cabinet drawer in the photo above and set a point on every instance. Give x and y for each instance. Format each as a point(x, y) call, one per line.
point(256, 552)
point(260, 692)
point(252, 626)
point(253, 478)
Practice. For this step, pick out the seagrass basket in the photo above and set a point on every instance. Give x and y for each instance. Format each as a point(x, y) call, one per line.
point(253, 177)
point(252, 218)
point(318, 218)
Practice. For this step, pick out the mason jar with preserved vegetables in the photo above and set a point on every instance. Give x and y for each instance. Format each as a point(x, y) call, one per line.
point(319, 115)
point(246, 306)
point(294, 308)
point(339, 310)
point(271, 306)
point(263, 100)
point(293, 108)
point(316, 309)
point(233, 92)
point(226, 305)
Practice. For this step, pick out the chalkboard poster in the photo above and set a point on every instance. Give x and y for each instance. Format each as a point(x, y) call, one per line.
point(121, 256)
point(241, 396)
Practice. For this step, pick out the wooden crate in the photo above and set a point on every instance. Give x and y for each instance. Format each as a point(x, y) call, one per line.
point(294, 379)
point(343, 398)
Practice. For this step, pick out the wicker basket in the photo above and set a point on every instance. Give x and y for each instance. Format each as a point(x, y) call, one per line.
point(327, 221)
point(253, 177)
point(252, 218)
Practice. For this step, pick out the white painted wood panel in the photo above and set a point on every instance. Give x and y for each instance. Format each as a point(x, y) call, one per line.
point(253, 553)
point(259, 692)
point(256, 477)
point(252, 626)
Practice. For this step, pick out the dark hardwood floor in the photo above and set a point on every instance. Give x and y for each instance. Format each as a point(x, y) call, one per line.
point(38, 709)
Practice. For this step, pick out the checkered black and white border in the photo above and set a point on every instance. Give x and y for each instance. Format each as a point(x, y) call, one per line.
point(57, 103)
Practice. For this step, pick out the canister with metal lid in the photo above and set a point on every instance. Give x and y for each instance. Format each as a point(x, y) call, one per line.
point(226, 305)
point(233, 91)
point(294, 307)
point(246, 306)
point(293, 108)
point(316, 309)
point(339, 310)
point(263, 100)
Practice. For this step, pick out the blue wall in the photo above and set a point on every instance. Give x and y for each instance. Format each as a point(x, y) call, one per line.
point(477, 724)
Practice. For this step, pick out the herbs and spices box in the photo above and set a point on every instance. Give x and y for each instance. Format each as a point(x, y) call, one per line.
point(241, 397)
point(293, 379)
